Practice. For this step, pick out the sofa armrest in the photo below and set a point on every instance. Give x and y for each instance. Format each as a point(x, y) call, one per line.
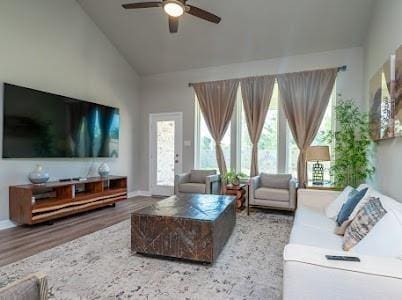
point(34, 286)
point(254, 183)
point(43, 285)
point(213, 178)
point(315, 199)
point(292, 193)
point(180, 179)
point(213, 184)
point(309, 275)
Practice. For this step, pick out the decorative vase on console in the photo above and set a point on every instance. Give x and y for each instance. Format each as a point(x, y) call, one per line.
point(38, 175)
point(104, 170)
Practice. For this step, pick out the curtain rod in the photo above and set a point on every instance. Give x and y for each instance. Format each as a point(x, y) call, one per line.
point(340, 69)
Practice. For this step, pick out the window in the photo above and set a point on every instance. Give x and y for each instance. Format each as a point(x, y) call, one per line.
point(268, 143)
point(277, 151)
point(206, 154)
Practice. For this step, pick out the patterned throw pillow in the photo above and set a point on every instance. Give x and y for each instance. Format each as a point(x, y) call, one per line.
point(365, 220)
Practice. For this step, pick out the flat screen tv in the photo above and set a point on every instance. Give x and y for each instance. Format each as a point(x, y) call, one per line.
point(44, 125)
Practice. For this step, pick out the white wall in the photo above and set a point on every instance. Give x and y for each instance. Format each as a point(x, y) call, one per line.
point(383, 38)
point(52, 45)
point(170, 92)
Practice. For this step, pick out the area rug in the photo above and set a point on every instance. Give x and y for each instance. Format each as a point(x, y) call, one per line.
point(101, 266)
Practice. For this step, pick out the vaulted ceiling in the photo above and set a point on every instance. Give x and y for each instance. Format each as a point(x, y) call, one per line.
point(250, 30)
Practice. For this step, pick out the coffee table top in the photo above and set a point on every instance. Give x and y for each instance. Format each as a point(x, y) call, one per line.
point(189, 206)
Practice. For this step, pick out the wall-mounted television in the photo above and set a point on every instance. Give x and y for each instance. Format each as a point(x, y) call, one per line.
point(38, 124)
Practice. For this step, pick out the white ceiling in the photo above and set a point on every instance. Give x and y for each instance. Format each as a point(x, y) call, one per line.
point(250, 30)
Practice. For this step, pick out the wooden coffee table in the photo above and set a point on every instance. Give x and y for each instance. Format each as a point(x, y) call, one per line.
point(194, 227)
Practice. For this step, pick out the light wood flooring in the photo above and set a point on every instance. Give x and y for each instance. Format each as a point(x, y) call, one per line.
point(23, 241)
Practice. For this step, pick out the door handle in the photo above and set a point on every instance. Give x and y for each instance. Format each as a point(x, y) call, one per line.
point(176, 161)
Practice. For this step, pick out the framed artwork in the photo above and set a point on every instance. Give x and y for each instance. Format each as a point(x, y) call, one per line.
point(398, 92)
point(375, 106)
point(382, 104)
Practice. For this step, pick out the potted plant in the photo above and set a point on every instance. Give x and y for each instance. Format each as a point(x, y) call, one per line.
point(233, 178)
point(352, 144)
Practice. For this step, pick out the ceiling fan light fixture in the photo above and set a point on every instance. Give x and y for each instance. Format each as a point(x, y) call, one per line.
point(174, 8)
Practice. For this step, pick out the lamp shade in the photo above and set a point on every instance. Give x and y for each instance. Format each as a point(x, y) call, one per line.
point(318, 153)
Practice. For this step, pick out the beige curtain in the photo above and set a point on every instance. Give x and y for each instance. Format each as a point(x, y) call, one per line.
point(256, 93)
point(217, 100)
point(305, 97)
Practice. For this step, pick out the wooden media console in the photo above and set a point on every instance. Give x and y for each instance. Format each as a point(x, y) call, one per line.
point(36, 203)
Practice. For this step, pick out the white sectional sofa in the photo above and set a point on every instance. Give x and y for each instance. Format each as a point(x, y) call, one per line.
point(309, 275)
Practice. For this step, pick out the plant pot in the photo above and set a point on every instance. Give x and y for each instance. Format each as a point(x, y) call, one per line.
point(236, 181)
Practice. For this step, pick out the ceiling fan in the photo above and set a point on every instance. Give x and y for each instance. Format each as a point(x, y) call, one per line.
point(174, 9)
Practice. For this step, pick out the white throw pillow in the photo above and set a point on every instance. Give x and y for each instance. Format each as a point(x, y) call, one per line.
point(332, 210)
point(362, 186)
point(384, 239)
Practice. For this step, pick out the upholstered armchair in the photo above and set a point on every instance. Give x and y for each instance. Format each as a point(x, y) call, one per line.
point(276, 191)
point(31, 287)
point(198, 182)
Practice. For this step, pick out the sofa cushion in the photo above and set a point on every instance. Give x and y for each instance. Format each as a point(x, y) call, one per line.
point(364, 221)
point(272, 194)
point(332, 210)
point(194, 188)
point(308, 217)
point(349, 206)
point(311, 236)
point(198, 176)
point(275, 181)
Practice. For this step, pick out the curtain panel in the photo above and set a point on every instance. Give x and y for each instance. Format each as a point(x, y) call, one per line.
point(217, 100)
point(256, 94)
point(305, 97)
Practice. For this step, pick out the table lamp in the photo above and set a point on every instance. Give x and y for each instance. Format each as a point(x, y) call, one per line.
point(318, 154)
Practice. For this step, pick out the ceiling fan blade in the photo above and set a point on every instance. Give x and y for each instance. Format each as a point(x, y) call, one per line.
point(203, 14)
point(142, 5)
point(173, 24)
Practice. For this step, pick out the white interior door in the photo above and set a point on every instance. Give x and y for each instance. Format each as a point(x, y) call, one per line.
point(165, 159)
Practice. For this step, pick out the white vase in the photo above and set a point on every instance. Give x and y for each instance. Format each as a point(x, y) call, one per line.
point(38, 175)
point(104, 170)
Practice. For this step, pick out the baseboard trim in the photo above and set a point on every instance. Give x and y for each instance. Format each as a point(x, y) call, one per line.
point(139, 193)
point(5, 224)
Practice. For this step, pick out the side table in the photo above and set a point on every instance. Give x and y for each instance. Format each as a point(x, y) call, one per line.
point(236, 190)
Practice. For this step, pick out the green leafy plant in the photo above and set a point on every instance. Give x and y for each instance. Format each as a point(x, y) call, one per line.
point(352, 144)
point(232, 177)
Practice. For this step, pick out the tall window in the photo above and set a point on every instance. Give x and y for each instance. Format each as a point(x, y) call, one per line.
point(327, 124)
point(268, 143)
point(206, 154)
point(277, 151)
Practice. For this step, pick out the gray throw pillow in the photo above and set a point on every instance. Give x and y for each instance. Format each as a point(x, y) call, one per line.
point(275, 181)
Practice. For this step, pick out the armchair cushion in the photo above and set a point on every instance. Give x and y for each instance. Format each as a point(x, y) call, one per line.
point(272, 194)
point(199, 176)
point(193, 188)
point(275, 181)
